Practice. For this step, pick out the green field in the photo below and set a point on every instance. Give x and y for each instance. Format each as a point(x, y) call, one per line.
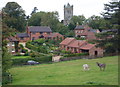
point(68, 73)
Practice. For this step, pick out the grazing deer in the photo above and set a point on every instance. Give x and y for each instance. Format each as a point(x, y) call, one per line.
point(102, 66)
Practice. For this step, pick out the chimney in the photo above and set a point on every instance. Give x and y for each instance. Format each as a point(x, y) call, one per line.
point(27, 28)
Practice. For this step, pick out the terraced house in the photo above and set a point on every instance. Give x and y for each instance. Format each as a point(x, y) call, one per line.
point(36, 32)
point(85, 32)
point(81, 46)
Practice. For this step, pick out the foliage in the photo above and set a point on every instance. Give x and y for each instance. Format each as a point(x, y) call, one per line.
point(15, 16)
point(34, 10)
point(38, 58)
point(65, 52)
point(75, 54)
point(76, 19)
point(32, 47)
point(6, 64)
point(97, 22)
point(44, 19)
point(109, 40)
point(112, 11)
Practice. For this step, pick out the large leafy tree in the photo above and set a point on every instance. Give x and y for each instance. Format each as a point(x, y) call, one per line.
point(97, 22)
point(44, 19)
point(76, 19)
point(111, 14)
point(16, 16)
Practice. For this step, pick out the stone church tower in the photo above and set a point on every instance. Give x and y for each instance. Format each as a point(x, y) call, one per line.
point(68, 13)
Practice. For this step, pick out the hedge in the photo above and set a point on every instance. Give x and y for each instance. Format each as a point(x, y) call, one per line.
point(75, 54)
point(23, 61)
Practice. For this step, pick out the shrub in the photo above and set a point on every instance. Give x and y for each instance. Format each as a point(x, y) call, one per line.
point(65, 52)
point(40, 59)
point(32, 47)
point(20, 61)
point(75, 54)
point(43, 59)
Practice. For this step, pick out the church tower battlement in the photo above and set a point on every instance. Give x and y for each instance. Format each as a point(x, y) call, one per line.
point(68, 13)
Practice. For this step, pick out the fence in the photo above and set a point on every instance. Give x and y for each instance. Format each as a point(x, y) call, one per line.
point(78, 57)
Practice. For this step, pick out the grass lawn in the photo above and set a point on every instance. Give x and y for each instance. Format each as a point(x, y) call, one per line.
point(17, 57)
point(68, 73)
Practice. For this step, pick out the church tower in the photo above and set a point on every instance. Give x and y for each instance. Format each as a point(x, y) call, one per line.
point(68, 13)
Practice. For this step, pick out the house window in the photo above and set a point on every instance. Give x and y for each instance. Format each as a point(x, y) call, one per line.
point(33, 38)
point(8, 44)
point(21, 38)
point(82, 36)
point(41, 32)
point(76, 31)
point(33, 32)
point(13, 50)
point(13, 44)
point(48, 32)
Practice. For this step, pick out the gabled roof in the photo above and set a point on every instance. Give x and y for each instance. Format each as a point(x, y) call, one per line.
point(87, 46)
point(79, 27)
point(93, 30)
point(67, 41)
point(81, 44)
point(39, 29)
point(22, 35)
point(55, 34)
point(11, 39)
point(77, 43)
point(110, 30)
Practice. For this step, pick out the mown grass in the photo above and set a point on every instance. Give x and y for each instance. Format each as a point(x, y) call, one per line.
point(19, 57)
point(68, 73)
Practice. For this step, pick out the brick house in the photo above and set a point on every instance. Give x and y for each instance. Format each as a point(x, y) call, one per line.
point(80, 46)
point(22, 37)
point(36, 32)
point(11, 45)
point(53, 36)
point(85, 32)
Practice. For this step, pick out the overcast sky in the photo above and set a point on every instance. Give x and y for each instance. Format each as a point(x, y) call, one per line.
point(80, 7)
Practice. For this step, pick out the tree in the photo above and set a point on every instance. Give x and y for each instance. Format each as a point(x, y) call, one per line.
point(76, 19)
point(35, 20)
point(34, 10)
point(6, 56)
point(112, 13)
point(44, 19)
point(16, 16)
point(97, 22)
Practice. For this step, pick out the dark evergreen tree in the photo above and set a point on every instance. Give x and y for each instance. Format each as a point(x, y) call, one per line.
point(109, 39)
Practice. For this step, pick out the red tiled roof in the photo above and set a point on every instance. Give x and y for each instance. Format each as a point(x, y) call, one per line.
point(52, 35)
point(87, 47)
point(11, 39)
point(55, 35)
point(77, 43)
point(67, 41)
